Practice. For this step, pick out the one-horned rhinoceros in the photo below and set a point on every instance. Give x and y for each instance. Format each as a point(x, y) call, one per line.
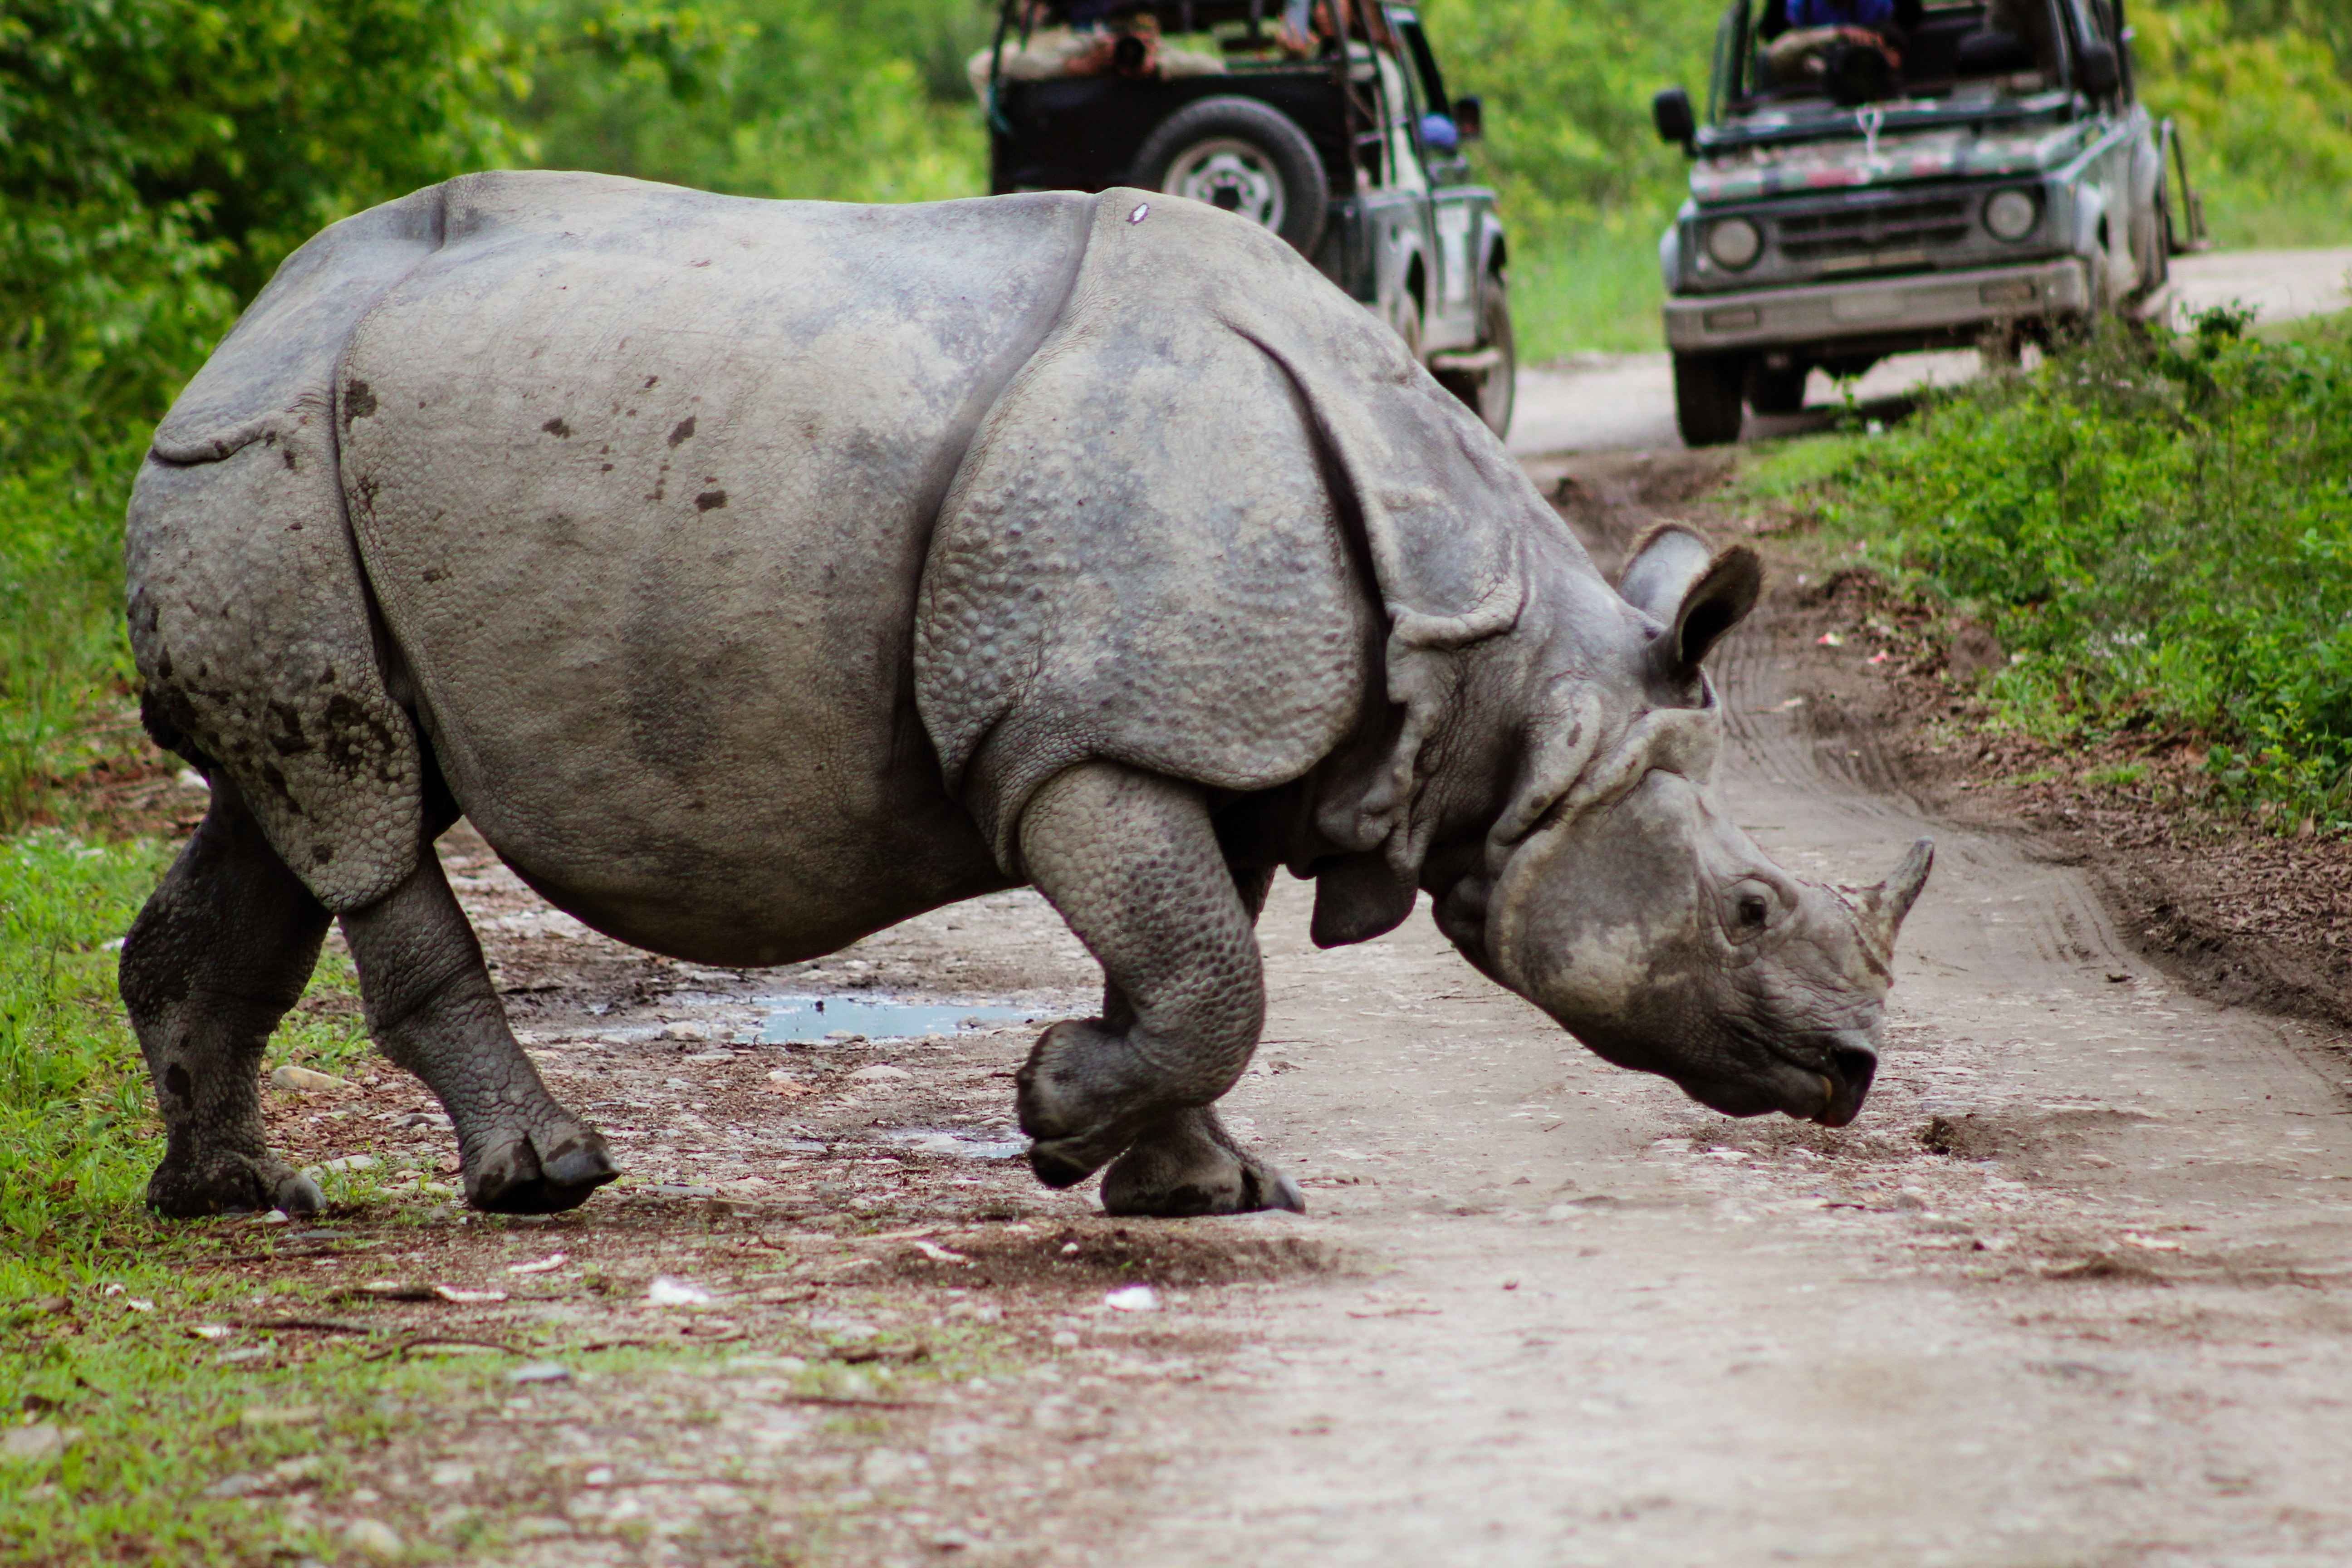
point(757, 575)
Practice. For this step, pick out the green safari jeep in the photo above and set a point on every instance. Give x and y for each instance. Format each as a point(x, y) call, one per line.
point(1963, 173)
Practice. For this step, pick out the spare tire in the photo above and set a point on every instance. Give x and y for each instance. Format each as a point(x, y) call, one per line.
point(1245, 157)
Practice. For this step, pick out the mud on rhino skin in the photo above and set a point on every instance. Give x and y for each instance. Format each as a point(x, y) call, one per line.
point(757, 575)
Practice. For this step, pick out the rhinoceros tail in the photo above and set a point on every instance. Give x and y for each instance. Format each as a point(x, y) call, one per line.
point(250, 620)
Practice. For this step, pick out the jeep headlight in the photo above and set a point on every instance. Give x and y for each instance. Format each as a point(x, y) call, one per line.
point(1734, 243)
point(2011, 214)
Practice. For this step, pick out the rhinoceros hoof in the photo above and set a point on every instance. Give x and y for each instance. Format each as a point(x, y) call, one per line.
point(546, 1172)
point(1187, 1176)
point(226, 1183)
point(1080, 1102)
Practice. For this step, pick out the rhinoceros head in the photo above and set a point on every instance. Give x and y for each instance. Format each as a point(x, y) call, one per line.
point(1615, 896)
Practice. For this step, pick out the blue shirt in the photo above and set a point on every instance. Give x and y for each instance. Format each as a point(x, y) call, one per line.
point(1841, 13)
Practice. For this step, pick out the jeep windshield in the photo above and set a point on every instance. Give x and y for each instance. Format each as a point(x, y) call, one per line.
point(1980, 65)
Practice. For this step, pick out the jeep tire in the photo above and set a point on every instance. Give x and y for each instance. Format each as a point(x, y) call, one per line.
point(1708, 403)
point(1490, 391)
point(1245, 157)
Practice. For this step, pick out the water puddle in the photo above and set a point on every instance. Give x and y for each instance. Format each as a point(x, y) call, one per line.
point(812, 1020)
point(963, 1144)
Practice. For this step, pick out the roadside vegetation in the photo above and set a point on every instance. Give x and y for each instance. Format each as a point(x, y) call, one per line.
point(2162, 537)
point(2159, 535)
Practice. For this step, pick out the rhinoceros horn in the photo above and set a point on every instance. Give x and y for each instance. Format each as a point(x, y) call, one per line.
point(1883, 906)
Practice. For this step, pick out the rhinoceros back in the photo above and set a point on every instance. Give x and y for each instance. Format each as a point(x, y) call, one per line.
point(644, 478)
point(248, 617)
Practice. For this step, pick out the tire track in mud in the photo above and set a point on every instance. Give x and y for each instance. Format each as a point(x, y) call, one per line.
point(2074, 1289)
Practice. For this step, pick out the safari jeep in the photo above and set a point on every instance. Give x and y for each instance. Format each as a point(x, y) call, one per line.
point(1986, 177)
point(1341, 138)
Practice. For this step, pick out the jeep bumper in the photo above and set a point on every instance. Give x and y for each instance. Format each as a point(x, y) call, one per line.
point(1927, 305)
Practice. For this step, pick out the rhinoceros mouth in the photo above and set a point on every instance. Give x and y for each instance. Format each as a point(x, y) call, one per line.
point(1843, 1083)
point(1829, 1089)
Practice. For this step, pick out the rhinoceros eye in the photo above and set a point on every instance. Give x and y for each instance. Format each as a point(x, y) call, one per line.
point(1748, 908)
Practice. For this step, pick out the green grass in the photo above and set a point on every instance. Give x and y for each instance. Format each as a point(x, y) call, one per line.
point(1594, 290)
point(2160, 534)
point(76, 1128)
point(99, 1299)
point(65, 668)
point(2265, 113)
point(158, 1417)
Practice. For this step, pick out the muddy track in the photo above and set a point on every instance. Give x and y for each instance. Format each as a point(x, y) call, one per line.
point(2075, 1290)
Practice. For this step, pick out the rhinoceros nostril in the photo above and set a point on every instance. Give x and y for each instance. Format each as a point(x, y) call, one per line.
point(1854, 1067)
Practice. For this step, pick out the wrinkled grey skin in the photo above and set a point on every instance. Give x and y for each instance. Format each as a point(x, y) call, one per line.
point(755, 575)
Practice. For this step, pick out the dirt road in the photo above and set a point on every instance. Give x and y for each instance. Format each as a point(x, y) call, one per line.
point(1604, 403)
point(2075, 1290)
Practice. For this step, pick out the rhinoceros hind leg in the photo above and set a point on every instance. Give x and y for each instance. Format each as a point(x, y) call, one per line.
point(432, 1010)
point(221, 951)
point(1131, 860)
point(1187, 1164)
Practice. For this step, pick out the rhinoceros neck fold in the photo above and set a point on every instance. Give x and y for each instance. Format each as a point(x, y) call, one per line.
point(1680, 740)
point(1157, 551)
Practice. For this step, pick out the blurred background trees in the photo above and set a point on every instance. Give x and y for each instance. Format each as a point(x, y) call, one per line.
point(158, 157)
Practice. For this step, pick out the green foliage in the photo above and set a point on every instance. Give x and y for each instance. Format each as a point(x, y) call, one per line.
point(2267, 118)
point(157, 157)
point(2163, 537)
point(63, 665)
point(1586, 184)
point(862, 102)
point(1568, 90)
point(2328, 21)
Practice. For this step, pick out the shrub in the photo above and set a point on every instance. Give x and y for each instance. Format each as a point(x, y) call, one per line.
point(2267, 118)
point(2163, 534)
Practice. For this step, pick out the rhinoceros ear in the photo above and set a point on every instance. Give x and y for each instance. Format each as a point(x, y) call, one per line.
point(1662, 568)
point(1677, 577)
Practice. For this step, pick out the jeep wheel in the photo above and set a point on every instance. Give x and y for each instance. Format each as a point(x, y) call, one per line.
point(1780, 391)
point(1492, 387)
point(1238, 154)
point(1707, 406)
point(1405, 316)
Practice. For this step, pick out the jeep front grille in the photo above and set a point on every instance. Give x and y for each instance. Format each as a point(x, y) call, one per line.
point(1891, 234)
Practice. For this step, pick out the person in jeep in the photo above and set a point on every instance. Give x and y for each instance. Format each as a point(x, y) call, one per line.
point(1814, 36)
point(1328, 121)
point(1087, 39)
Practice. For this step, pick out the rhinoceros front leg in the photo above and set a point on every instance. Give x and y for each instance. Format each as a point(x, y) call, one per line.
point(218, 954)
point(1131, 861)
point(432, 1009)
point(1187, 1163)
